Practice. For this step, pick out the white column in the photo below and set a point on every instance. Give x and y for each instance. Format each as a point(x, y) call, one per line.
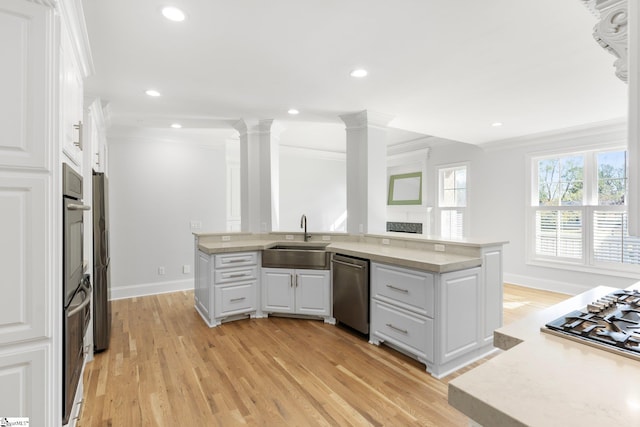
point(258, 167)
point(366, 171)
point(634, 121)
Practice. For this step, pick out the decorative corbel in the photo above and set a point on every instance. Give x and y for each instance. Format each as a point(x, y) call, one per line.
point(611, 31)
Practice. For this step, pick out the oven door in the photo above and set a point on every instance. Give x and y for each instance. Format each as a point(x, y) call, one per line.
point(73, 356)
point(72, 243)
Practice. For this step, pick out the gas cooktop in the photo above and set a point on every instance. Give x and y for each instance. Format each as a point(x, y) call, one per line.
point(611, 323)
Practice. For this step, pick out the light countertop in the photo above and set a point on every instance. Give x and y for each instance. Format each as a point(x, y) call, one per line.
point(546, 380)
point(437, 262)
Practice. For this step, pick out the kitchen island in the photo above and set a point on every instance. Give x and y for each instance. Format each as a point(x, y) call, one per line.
point(435, 300)
point(543, 379)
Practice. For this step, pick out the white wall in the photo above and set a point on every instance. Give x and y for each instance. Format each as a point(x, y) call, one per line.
point(312, 182)
point(497, 184)
point(159, 182)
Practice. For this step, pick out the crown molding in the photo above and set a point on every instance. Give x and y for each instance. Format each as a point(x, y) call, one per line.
point(605, 131)
point(313, 153)
point(72, 15)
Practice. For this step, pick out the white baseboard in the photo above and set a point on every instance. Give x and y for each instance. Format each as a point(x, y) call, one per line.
point(144, 289)
point(544, 284)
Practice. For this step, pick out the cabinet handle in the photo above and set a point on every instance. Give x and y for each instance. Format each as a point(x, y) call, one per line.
point(78, 127)
point(395, 288)
point(236, 275)
point(229, 261)
point(291, 280)
point(237, 299)
point(297, 280)
point(404, 331)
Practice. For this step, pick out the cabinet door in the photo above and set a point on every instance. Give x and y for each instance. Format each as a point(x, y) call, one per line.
point(313, 292)
point(202, 290)
point(71, 100)
point(277, 290)
point(460, 313)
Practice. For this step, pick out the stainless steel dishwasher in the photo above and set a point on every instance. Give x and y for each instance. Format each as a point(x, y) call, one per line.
point(351, 292)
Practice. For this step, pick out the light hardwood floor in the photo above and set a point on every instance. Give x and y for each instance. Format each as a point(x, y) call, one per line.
point(165, 367)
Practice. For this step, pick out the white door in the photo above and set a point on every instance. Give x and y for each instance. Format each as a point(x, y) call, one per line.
point(277, 290)
point(313, 292)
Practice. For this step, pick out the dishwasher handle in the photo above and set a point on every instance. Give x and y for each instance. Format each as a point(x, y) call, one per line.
point(348, 264)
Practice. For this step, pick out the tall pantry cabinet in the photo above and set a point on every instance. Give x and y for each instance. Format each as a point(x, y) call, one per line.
point(41, 43)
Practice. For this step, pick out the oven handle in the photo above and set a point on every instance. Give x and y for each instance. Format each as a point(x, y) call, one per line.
point(80, 307)
point(75, 207)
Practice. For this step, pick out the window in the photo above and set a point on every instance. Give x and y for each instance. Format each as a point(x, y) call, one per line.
point(452, 200)
point(578, 210)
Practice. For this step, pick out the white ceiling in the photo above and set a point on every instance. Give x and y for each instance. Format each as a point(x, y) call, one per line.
point(448, 68)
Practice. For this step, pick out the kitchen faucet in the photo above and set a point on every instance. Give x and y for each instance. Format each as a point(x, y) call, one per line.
point(303, 223)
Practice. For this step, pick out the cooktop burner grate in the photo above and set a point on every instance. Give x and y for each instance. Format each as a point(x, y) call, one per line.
point(611, 323)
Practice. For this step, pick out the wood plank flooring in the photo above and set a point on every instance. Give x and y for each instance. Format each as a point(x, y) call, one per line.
point(165, 367)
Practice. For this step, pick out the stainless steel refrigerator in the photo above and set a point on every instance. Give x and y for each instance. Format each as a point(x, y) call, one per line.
point(101, 274)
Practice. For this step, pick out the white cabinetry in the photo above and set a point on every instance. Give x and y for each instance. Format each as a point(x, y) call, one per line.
point(226, 286)
point(95, 139)
point(71, 84)
point(306, 292)
point(33, 36)
point(435, 318)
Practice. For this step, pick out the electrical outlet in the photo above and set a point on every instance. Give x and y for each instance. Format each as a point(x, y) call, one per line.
point(438, 248)
point(385, 241)
point(161, 271)
point(226, 238)
point(326, 238)
point(195, 225)
point(186, 269)
point(289, 237)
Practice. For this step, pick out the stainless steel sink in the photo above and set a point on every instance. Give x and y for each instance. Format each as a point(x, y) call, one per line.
point(293, 255)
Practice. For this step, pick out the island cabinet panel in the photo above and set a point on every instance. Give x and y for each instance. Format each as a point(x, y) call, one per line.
point(294, 291)
point(492, 292)
point(460, 291)
point(203, 282)
point(439, 319)
point(226, 286)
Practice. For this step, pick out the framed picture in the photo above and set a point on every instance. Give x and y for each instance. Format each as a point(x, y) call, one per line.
point(405, 189)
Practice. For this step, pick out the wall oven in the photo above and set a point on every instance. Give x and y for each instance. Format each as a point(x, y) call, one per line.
point(76, 294)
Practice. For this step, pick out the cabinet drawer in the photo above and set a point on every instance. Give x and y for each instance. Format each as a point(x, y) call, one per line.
point(236, 259)
point(235, 299)
point(410, 289)
point(235, 274)
point(408, 331)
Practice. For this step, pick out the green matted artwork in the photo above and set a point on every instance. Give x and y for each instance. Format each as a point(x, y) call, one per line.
point(405, 189)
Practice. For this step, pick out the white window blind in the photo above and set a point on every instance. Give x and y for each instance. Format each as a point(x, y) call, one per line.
point(451, 223)
point(611, 241)
point(559, 233)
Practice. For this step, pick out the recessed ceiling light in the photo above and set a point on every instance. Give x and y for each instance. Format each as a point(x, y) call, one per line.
point(496, 124)
point(176, 125)
point(152, 92)
point(360, 72)
point(173, 14)
point(293, 111)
